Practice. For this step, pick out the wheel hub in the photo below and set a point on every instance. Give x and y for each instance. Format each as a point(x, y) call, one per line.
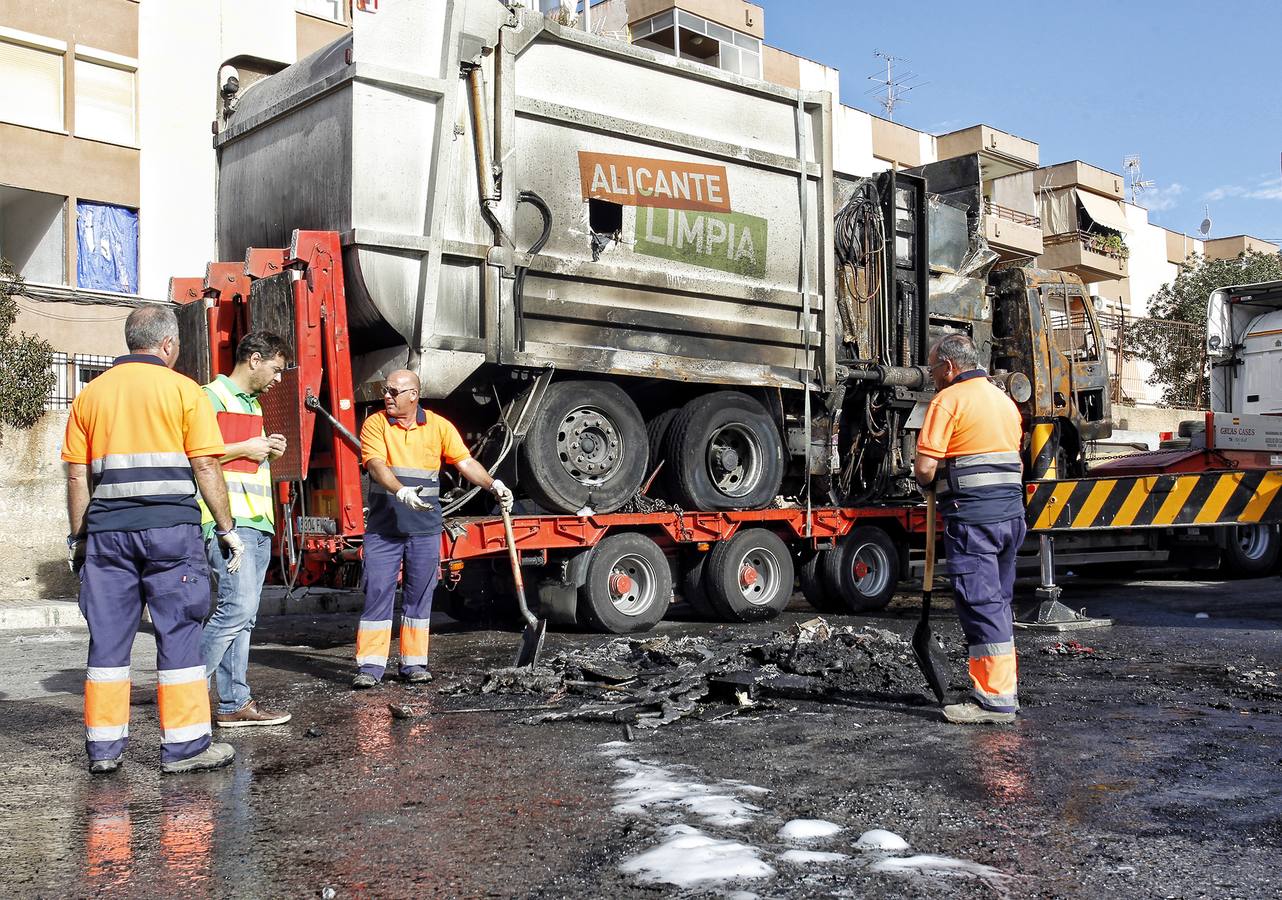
point(620, 584)
point(734, 460)
point(748, 576)
point(588, 445)
point(862, 569)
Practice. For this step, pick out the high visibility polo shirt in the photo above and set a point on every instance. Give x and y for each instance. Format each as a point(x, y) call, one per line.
point(414, 455)
point(137, 426)
point(974, 428)
point(249, 483)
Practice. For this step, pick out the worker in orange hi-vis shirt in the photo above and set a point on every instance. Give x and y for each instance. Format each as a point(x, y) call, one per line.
point(402, 448)
point(970, 447)
point(139, 440)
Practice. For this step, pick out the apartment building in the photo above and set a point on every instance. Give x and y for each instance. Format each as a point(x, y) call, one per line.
point(107, 173)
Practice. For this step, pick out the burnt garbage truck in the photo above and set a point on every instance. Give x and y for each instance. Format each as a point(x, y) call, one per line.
point(653, 259)
point(644, 291)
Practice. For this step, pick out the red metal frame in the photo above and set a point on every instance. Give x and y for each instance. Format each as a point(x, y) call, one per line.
point(478, 537)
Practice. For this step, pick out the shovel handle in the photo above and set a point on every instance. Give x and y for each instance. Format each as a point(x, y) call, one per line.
point(515, 558)
point(931, 518)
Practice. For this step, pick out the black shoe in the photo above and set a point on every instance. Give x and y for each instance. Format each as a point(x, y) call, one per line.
point(104, 766)
point(362, 682)
point(418, 676)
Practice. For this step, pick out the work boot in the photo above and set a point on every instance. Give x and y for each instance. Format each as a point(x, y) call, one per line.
point(974, 714)
point(215, 756)
point(417, 676)
point(251, 714)
point(104, 766)
point(363, 681)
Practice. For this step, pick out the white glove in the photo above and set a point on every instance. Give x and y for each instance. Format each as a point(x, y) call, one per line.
point(235, 548)
point(503, 495)
point(409, 496)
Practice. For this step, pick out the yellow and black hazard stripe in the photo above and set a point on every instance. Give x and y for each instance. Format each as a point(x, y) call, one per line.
point(1043, 448)
point(1147, 501)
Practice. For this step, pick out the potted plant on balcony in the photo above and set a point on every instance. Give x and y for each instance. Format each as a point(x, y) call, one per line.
point(1114, 246)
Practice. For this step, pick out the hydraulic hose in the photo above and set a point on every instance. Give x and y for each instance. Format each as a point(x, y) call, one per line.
point(518, 289)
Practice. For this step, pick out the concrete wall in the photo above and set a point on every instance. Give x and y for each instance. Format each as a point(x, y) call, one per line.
point(33, 512)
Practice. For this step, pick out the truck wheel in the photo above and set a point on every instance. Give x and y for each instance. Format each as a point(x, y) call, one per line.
point(587, 447)
point(1250, 551)
point(725, 453)
point(812, 583)
point(750, 576)
point(693, 589)
point(627, 585)
point(657, 431)
point(863, 571)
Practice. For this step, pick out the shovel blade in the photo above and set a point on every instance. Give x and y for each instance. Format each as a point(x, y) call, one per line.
point(932, 660)
point(531, 643)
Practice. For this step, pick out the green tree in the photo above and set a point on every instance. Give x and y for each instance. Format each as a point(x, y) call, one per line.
point(1179, 366)
point(26, 361)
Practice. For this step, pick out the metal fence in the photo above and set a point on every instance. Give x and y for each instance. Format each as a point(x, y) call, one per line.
point(71, 372)
point(1155, 362)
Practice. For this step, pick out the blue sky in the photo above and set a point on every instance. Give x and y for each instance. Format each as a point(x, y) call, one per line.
point(1192, 87)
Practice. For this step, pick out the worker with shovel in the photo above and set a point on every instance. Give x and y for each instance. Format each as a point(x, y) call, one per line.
point(402, 448)
point(969, 449)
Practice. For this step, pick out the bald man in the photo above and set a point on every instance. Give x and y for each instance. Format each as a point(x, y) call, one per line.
point(402, 448)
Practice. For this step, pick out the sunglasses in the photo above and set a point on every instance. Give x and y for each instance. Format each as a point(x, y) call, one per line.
point(394, 393)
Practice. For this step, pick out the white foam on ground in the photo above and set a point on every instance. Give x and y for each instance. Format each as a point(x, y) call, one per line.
point(1202, 616)
point(880, 839)
point(939, 865)
point(649, 788)
point(808, 830)
point(688, 857)
point(810, 857)
point(613, 748)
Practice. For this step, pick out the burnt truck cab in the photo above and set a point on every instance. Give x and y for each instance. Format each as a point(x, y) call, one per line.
point(1045, 327)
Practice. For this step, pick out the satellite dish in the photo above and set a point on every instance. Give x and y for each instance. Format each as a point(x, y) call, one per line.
point(1205, 227)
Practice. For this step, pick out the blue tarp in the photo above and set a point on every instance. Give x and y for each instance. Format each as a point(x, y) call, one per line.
point(107, 247)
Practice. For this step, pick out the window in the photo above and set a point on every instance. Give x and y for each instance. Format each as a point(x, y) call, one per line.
point(33, 234)
point(71, 373)
point(325, 9)
point(107, 247)
point(1071, 326)
point(694, 38)
point(33, 81)
point(106, 101)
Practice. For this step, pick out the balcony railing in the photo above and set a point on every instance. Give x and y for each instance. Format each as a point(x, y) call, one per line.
point(1093, 242)
point(1013, 215)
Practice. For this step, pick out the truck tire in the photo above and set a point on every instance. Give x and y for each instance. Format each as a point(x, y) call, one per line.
point(863, 571)
point(627, 585)
point(1250, 551)
point(725, 453)
point(810, 574)
point(693, 590)
point(750, 576)
point(657, 430)
point(587, 448)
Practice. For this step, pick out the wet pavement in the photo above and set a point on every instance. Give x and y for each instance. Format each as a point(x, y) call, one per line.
point(1148, 765)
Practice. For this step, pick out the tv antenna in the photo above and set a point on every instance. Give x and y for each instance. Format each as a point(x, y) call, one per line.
point(891, 88)
point(1137, 183)
point(1205, 228)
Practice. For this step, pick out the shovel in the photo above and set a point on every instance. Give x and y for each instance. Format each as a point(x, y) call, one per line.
point(535, 629)
point(930, 656)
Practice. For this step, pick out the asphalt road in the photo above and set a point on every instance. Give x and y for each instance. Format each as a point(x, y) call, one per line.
point(1149, 767)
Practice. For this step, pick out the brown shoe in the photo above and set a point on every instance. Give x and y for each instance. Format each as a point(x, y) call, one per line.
point(251, 714)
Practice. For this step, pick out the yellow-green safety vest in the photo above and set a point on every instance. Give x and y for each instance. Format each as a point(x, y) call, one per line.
point(249, 484)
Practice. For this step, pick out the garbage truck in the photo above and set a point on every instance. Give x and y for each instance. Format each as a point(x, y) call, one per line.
point(616, 270)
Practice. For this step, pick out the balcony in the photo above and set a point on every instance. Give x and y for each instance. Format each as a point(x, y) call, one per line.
point(1091, 257)
point(1000, 153)
point(1011, 233)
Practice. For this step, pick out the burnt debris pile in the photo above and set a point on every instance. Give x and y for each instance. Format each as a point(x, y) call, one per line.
point(652, 682)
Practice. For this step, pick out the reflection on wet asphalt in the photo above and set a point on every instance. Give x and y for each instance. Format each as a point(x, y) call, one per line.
point(1148, 768)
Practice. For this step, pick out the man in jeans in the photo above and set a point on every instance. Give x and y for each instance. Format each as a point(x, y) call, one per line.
point(260, 358)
